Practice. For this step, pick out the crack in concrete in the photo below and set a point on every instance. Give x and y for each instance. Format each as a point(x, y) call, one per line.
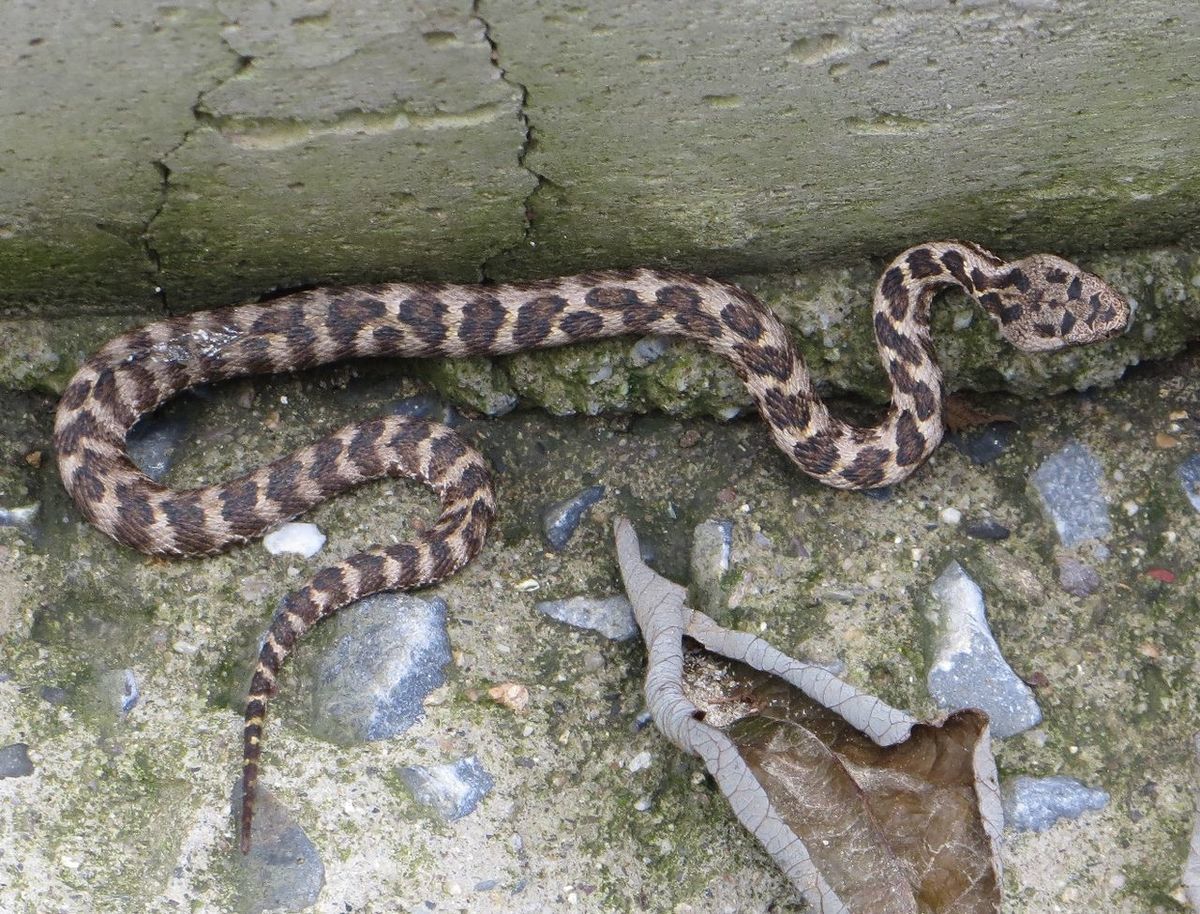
point(164, 187)
point(199, 119)
point(528, 212)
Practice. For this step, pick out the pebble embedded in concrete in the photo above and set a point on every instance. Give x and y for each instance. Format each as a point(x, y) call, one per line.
point(610, 616)
point(1189, 479)
point(1070, 483)
point(561, 519)
point(452, 790)
point(986, 528)
point(15, 761)
point(295, 539)
point(950, 516)
point(427, 406)
point(648, 349)
point(152, 444)
point(967, 669)
point(119, 690)
point(22, 516)
point(54, 695)
point(387, 654)
point(984, 445)
point(1076, 578)
point(712, 549)
point(1034, 804)
point(283, 870)
point(882, 493)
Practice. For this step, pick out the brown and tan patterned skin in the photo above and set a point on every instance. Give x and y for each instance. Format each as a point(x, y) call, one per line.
point(1040, 303)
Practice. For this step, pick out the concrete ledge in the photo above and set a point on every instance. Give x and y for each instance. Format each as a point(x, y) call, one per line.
point(187, 155)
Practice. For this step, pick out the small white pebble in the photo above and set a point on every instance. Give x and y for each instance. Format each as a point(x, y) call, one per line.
point(283, 399)
point(185, 647)
point(296, 539)
point(529, 585)
point(640, 761)
point(1131, 508)
point(642, 805)
point(950, 516)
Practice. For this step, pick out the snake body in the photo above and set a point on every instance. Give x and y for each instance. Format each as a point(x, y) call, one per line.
point(1040, 303)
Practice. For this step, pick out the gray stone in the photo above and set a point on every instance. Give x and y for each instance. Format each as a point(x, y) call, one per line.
point(15, 761)
point(1070, 484)
point(648, 349)
point(986, 528)
point(22, 516)
point(152, 444)
point(986, 444)
point(452, 790)
point(283, 870)
point(712, 548)
point(118, 690)
point(1189, 479)
point(560, 520)
point(369, 674)
point(427, 406)
point(1076, 578)
point(1034, 804)
point(610, 616)
point(879, 493)
point(967, 669)
point(55, 695)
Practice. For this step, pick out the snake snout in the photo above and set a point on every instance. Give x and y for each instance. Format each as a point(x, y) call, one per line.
point(1060, 305)
point(1100, 312)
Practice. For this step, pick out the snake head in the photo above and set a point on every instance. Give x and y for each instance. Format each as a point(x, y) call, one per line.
point(1046, 303)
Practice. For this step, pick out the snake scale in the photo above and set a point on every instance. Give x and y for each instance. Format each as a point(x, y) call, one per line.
point(1040, 303)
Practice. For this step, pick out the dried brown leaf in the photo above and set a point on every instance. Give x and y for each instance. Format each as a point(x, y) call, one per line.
point(960, 415)
point(894, 828)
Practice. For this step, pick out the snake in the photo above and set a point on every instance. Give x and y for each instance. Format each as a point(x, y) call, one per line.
point(1039, 303)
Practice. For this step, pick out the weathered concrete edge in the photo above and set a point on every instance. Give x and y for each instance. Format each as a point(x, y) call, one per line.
point(826, 308)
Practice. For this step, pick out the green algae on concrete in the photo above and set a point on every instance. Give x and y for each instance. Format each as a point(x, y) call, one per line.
point(826, 309)
point(373, 142)
point(41, 353)
point(94, 96)
point(131, 813)
point(219, 151)
point(749, 140)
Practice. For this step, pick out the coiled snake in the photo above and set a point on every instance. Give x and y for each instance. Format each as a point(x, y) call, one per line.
point(1040, 303)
